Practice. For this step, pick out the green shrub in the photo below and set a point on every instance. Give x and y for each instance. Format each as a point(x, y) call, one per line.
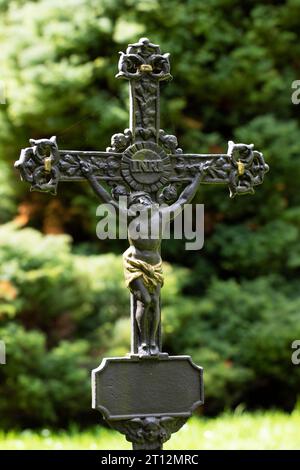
point(241, 333)
point(41, 386)
point(7, 193)
point(60, 315)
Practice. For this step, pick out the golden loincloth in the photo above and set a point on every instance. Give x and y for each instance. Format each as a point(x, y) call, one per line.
point(152, 275)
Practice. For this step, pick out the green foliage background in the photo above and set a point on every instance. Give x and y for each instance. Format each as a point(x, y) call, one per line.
point(235, 305)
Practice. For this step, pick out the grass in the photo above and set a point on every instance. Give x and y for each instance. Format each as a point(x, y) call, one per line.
point(264, 430)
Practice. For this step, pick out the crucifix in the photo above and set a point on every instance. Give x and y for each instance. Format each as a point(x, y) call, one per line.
point(148, 394)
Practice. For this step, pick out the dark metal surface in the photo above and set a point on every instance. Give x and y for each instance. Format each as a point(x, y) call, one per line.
point(242, 167)
point(145, 164)
point(147, 399)
point(145, 382)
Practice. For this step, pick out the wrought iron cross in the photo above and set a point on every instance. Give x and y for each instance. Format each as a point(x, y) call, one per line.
point(145, 164)
point(144, 157)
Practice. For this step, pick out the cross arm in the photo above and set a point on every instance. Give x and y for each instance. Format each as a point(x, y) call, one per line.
point(44, 165)
point(241, 168)
point(105, 196)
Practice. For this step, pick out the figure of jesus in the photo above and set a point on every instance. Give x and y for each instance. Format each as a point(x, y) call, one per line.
point(142, 260)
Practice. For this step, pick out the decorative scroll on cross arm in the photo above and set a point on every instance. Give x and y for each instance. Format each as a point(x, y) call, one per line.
point(145, 164)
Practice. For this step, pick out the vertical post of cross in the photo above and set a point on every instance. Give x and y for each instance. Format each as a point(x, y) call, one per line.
point(144, 66)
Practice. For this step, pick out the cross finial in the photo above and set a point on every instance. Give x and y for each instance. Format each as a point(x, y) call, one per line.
point(144, 66)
